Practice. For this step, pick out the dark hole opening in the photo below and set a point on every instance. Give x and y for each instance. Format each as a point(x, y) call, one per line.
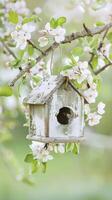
point(65, 115)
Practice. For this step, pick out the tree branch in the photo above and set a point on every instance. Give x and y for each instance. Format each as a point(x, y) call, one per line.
point(68, 39)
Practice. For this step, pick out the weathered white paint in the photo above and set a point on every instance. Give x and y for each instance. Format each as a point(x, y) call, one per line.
point(42, 93)
point(55, 139)
point(37, 123)
point(66, 98)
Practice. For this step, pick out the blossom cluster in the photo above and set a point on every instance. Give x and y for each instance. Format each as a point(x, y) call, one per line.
point(18, 6)
point(22, 34)
point(13, 21)
point(57, 33)
point(81, 73)
point(42, 152)
point(93, 118)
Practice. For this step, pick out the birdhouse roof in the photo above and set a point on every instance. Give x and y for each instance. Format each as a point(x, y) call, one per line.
point(42, 93)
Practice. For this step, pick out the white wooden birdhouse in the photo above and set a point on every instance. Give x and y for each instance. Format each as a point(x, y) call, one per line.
point(56, 112)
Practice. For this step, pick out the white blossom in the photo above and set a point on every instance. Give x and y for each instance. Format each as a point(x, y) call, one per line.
point(43, 41)
point(93, 119)
point(11, 102)
point(93, 85)
point(38, 68)
point(20, 36)
point(29, 27)
point(86, 109)
point(59, 148)
point(48, 28)
point(80, 72)
point(47, 31)
point(59, 34)
point(90, 81)
point(18, 6)
point(101, 107)
point(90, 95)
point(106, 50)
point(87, 49)
point(101, 62)
point(37, 10)
point(40, 152)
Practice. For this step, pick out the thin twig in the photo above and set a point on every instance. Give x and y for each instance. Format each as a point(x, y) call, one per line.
point(51, 62)
point(99, 49)
point(90, 61)
point(102, 69)
point(80, 94)
point(19, 75)
point(68, 39)
point(9, 50)
point(34, 46)
point(87, 30)
point(103, 38)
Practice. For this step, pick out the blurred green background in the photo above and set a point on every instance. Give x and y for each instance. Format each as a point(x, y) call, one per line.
point(87, 176)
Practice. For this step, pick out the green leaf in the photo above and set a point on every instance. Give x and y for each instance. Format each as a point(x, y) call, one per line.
point(5, 91)
point(30, 50)
point(27, 180)
point(110, 56)
point(109, 36)
point(61, 21)
point(94, 42)
point(34, 166)
point(29, 158)
point(53, 23)
point(15, 63)
point(66, 67)
point(77, 51)
point(36, 79)
point(95, 62)
point(76, 149)
point(30, 19)
point(73, 61)
point(69, 147)
point(21, 54)
point(100, 23)
point(77, 85)
point(13, 17)
point(32, 62)
point(98, 82)
point(44, 167)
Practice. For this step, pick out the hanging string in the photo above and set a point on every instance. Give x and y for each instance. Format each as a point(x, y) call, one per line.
point(51, 62)
point(61, 53)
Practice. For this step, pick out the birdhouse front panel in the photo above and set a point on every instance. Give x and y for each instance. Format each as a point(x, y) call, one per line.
point(56, 111)
point(66, 117)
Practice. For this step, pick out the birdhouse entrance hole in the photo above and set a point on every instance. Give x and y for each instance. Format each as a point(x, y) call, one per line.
point(65, 115)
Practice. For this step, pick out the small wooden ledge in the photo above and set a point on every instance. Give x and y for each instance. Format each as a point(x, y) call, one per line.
point(55, 140)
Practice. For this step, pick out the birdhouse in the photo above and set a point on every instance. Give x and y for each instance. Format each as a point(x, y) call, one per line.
point(56, 111)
